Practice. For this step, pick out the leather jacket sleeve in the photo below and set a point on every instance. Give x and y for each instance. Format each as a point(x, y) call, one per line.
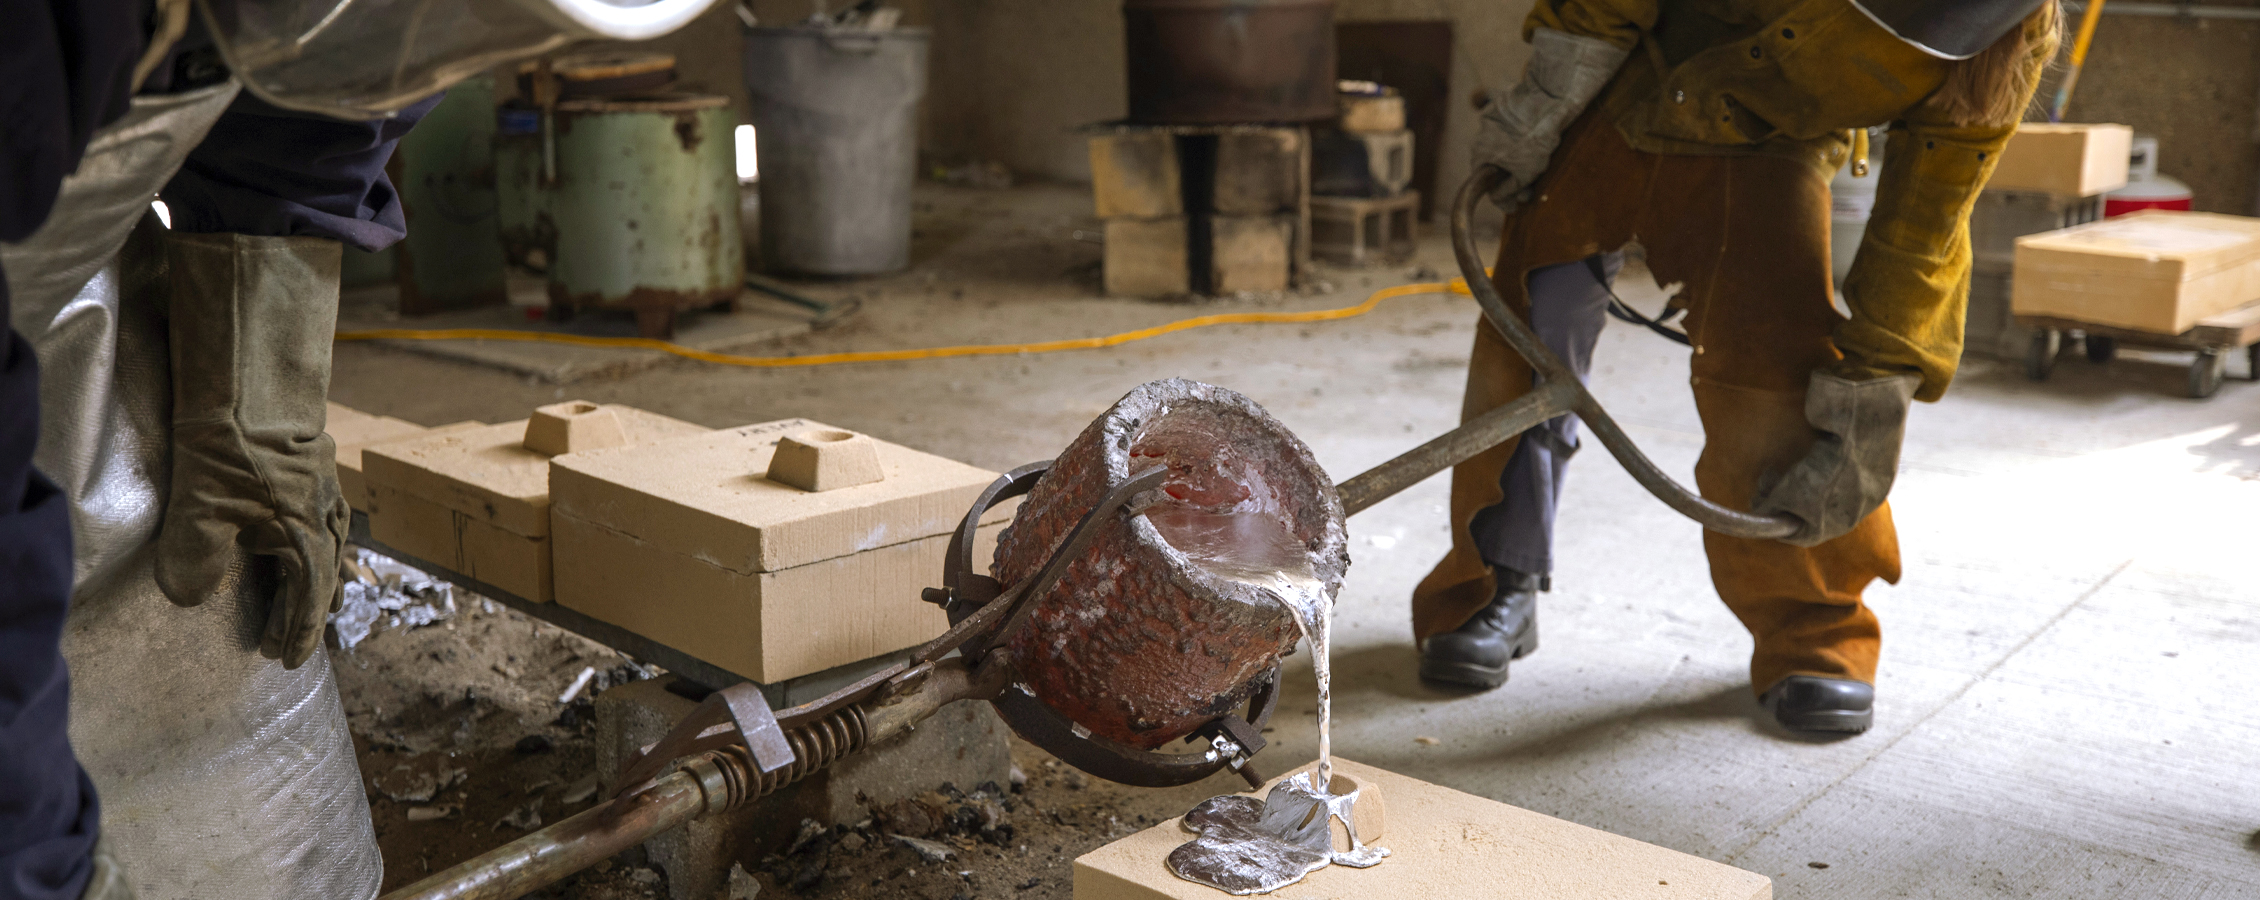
point(1909, 286)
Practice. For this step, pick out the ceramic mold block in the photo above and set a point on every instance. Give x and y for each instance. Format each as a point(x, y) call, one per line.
point(2156, 270)
point(693, 543)
point(1444, 845)
point(2069, 160)
point(476, 501)
point(819, 460)
point(354, 431)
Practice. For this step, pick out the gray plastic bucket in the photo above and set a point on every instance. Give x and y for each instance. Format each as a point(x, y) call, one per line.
point(835, 113)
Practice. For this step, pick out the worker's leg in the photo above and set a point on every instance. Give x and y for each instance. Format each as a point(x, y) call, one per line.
point(1568, 308)
point(1760, 315)
point(48, 814)
point(1515, 535)
point(1587, 205)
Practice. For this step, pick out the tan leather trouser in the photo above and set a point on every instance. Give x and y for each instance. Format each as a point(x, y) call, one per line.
point(1747, 235)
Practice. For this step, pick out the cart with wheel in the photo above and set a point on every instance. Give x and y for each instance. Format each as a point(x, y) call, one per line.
point(2213, 340)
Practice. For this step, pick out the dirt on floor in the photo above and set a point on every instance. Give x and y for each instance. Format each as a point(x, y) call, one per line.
point(465, 745)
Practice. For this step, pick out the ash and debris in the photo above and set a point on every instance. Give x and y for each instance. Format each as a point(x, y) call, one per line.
point(464, 746)
point(1017, 840)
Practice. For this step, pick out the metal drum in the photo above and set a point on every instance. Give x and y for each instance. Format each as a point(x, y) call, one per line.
point(1218, 62)
point(1137, 643)
point(646, 207)
point(835, 113)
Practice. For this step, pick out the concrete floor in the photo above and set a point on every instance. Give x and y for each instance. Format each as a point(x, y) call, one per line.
point(2063, 698)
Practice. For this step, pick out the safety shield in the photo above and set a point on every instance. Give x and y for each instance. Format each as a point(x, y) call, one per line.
point(1948, 29)
point(365, 59)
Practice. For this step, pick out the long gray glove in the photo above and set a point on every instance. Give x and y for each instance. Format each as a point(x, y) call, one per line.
point(1849, 471)
point(1521, 129)
point(252, 322)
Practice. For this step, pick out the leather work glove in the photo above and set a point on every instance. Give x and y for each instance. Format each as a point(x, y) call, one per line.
point(252, 319)
point(1849, 471)
point(1521, 128)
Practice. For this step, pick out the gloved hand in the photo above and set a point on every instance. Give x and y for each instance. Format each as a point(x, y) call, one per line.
point(1521, 129)
point(252, 319)
point(1849, 471)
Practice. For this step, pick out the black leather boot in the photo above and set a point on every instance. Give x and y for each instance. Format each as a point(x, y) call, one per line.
point(1476, 653)
point(1811, 703)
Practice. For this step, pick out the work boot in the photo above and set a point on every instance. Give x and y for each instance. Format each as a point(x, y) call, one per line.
point(1810, 703)
point(1476, 653)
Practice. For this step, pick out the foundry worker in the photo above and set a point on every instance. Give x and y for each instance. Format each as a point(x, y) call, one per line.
point(162, 412)
point(1707, 132)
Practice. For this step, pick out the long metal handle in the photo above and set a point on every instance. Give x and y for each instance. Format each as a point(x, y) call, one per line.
point(1551, 371)
point(1558, 391)
point(541, 858)
point(1454, 447)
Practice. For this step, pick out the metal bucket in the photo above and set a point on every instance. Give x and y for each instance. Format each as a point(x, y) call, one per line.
point(1218, 62)
point(1137, 643)
point(646, 207)
point(835, 113)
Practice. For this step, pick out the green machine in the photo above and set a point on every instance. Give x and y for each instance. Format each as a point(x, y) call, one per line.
point(626, 197)
point(645, 207)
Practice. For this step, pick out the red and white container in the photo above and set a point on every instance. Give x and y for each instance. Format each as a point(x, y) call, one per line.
point(2146, 189)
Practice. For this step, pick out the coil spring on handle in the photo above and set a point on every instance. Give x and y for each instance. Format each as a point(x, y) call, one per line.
point(815, 745)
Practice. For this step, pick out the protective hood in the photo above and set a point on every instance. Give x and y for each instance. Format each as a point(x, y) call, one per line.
point(1948, 29)
point(367, 59)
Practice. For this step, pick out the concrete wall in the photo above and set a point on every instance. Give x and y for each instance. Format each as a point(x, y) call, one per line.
point(1013, 79)
point(2195, 84)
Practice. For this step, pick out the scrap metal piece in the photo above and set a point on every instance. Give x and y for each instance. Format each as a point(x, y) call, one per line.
point(1246, 847)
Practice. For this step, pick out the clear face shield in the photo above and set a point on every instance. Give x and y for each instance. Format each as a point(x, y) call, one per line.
point(367, 59)
point(1949, 29)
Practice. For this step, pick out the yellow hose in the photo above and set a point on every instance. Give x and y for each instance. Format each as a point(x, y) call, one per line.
point(1455, 286)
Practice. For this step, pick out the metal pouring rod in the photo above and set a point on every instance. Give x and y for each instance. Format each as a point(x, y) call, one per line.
point(538, 859)
point(1554, 377)
point(1454, 447)
point(705, 784)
